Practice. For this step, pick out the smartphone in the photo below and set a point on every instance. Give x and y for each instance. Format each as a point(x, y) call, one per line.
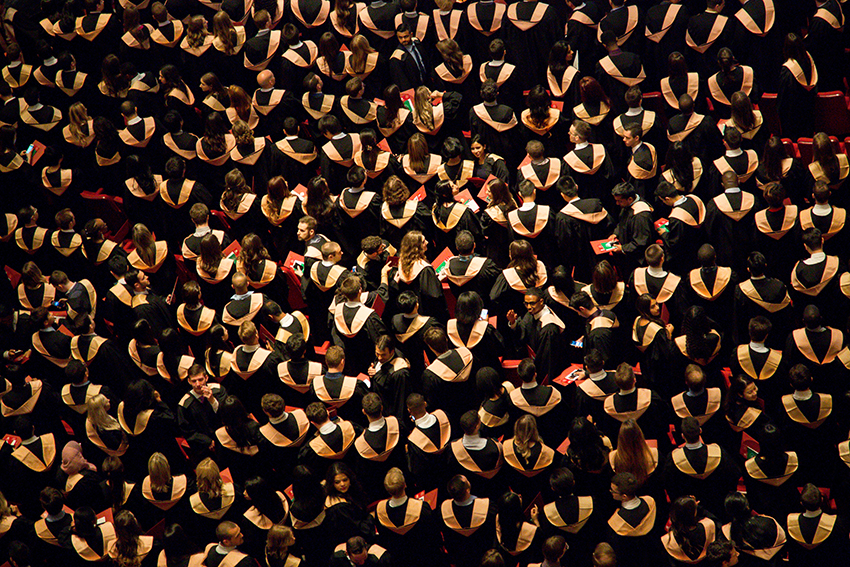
point(484, 315)
point(56, 305)
point(30, 149)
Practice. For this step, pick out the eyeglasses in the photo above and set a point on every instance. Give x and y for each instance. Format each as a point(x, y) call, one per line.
point(535, 302)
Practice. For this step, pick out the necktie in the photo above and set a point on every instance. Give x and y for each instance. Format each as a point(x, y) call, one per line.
point(418, 60)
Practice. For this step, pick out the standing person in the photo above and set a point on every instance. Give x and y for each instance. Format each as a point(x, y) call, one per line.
point(635, 230)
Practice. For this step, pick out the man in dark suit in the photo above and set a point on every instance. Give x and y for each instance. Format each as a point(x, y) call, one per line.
point(408, 63)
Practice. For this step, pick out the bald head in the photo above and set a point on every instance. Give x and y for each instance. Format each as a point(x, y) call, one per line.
point(730, 180)
point(239, 283)
point(265, 79)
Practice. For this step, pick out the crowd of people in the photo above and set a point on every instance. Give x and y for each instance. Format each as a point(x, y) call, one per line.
point(400, 284)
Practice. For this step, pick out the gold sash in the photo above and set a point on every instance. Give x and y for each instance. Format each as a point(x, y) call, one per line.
point(278, 439)
point(35, 463)
point(466, 461)
point(367, 452)
point(721, 280)
point(623, 528)
point(826, 523)
point(668, 288)
point(644, 399)
point(712, 461)
point(681, 409)
point(480, 507)
point(796, 415)
point(801, 339)
point(756, 473)
point(770, 365)
point(424, 443)
point(228, 495)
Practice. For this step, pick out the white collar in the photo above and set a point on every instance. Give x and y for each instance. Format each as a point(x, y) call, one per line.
point(474, 442)
point(31, 440)
point(425, 421)
point(526, 206)
point(50, 61)
point(328, 427)
point(202, 230)
point(339, 136)
point(14, 64)
point(821, 210)
point(134, 120)
point(495, 63)
point(597, 376)
point(631, 504)
point(327, 264)
point(396, 502)
point(291, 138)
point(263, 31)
point(812, 513)
point(529, 385)
point(581, 146)
point(656, 272)
point(636, 148)
point(627, 392)
point(36, 106)
point(815, 258)
point(680, 201)
point(802, 395)
point(465, 502)
point(238, 296)
point(287, 320)
point(279, 419)
point(221, 550)
point(250, 348)
point(694, 446)
point(634, 111)
point(297, 45)
point(732, 190)
point(734, 153)
point(378, 424)
point(759, 347)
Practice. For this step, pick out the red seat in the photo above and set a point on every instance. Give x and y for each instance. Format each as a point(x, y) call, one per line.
point(296, 301)
point(806, 151)
point(767, 106)
point(791, 148)
point(831, 115)
point(110, 211)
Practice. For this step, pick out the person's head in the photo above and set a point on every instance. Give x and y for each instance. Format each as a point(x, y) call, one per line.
point(459, 488)
point(535, 150)
point(811, 317)
point(350, 288)
point(468, 307)
point(394, 483)
point(811, 497)
point(812, 240)
point(774, 194)
point(706, 256)
point(759, 328)
point(436, 339)
point(654, 255)
point(604, 556)
point(357, 550)
point(608, 38)
point(19, 554)
point(694, 378)
point(582, 303)
point(317, 413)
point(60, 281)
point(229, 534)
point(403, 34)
point(742, 388)
point(496, 49)
point(416, 405)
point(632, 136)
point(489, 91)
point(335, 358)
point(732, 138)
point(51, 500)
point(624, 194)
point(534, 300)
point(208, 477)
point(470, 422)
point(197, 378)
point(527, 371)
point(580, 131)
point(76, 372)
point(373, 407)
point(624, 377)
point(722, 552)
point(756, 264)
point(800, 378)
point(634, 97)
point(306, 228)
point(554, 549)
point(408, 302)
point(691, 429)
point(624, 486)
point(331, 252)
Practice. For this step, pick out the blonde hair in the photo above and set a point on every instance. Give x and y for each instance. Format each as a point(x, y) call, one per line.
point(410, 251)
point(196, 31)
point(278, 541)
point(208, 478)
point(145, 244)
point(242, 132)
point(97, 414)
point(79, 117)
point(360, 50)
point(526, 435)
point(633, 454)
point(423, 109)
point(159, 471)
point(5, 508)
point(394, 481)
